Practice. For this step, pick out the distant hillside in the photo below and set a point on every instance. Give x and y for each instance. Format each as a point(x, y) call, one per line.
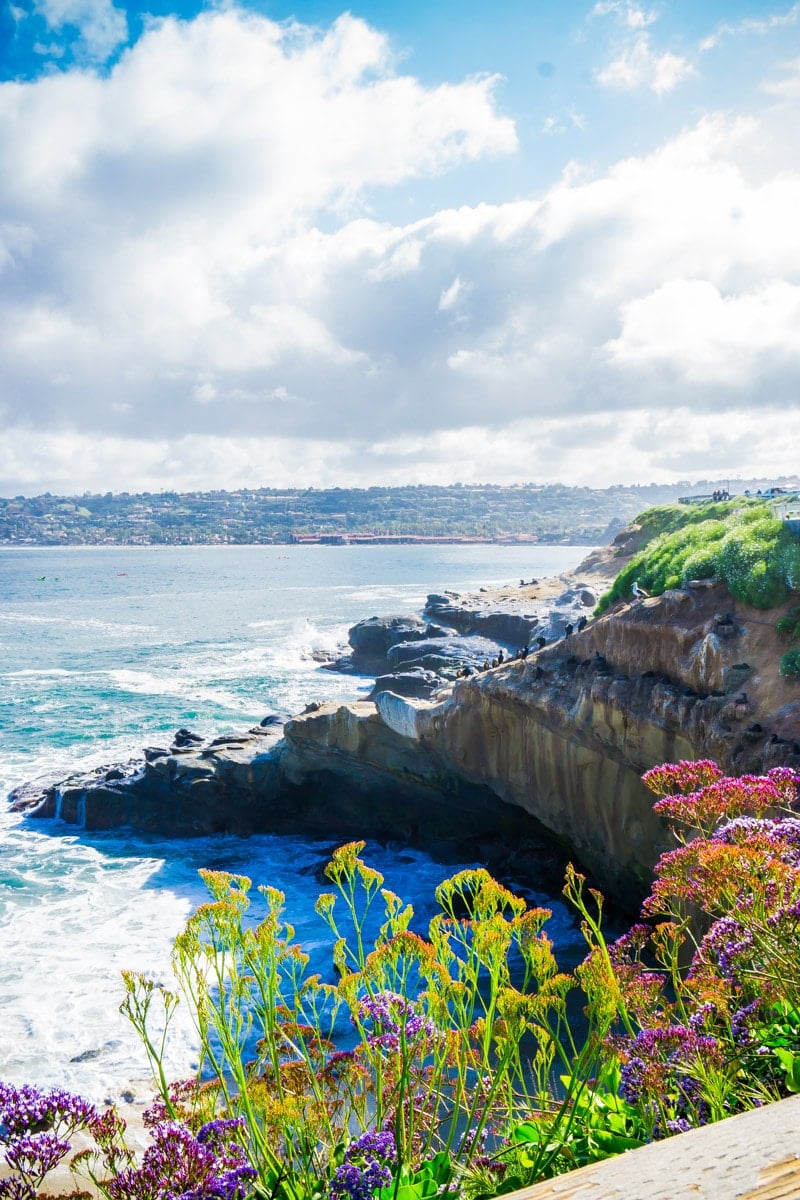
point(486, 512)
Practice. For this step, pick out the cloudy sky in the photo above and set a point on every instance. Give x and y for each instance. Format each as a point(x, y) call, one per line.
point(265, 243)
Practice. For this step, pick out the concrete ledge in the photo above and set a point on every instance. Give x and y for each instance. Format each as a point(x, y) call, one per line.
point(755, 1156)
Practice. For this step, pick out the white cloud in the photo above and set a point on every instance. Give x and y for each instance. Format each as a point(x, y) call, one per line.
point(102, 26)
point(787, 88)
point(571, 120)
point(758, 26)
point(640, 446)
point(640, 66)
point(629, 14)
point(689, 328)
point(186, 248)
point(451, 295)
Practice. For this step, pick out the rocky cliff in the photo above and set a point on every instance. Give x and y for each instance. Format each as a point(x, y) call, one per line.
point(566, 734)
point(556, 741)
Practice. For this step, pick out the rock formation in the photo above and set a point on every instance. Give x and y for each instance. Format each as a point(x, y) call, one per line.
point(556, 741)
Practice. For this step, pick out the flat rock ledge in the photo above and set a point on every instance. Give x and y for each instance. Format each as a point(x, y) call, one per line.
point(335, 771)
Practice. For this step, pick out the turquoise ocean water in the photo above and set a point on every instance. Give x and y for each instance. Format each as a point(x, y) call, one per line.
point(105, 650)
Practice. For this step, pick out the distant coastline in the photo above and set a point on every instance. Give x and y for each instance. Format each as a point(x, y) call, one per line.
point(449, 514)
point(317, 540)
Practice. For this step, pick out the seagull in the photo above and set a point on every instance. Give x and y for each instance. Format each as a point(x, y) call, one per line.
point(638, 592)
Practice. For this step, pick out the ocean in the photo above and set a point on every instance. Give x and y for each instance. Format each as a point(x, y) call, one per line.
point(104, 650)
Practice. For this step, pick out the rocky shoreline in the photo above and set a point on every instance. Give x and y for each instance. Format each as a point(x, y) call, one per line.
point(546, 748)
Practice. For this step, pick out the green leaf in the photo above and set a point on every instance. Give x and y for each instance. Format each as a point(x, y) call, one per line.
point(616, 1143)
point(790, 1063)
point(528, 1131)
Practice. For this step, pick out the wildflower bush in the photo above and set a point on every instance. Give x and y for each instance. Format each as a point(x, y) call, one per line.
point(740, 542)
point(450, 1062)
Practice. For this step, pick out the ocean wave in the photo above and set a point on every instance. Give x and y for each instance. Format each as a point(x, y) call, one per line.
point(74, 622)
point(39, 673)
point(148, 683)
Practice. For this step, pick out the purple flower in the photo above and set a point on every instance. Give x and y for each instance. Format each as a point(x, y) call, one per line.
point(34, 1154)
point(698, 1018)
point(731, 942)
point(394, 1019)
point(741, 1021)
point(360, 1180)
point(180, 1166)
point(27, 1109)
point(15, 1189)
point(659, 1071)
point(377, 1142)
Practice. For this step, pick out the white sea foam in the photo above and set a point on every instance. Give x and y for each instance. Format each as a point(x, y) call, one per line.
point(41, 673)
point(146, 683)
point(75, 622)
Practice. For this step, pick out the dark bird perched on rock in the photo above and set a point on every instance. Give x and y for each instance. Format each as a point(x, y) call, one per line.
point(185, 737)
point(584, 621)
point(637, 592)
point(541, 642)
point(569, 629)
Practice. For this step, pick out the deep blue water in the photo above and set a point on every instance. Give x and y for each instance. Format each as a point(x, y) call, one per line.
point(102, 650)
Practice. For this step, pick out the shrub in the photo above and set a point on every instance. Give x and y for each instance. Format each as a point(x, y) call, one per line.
point(788, 626)
point(790, 662)
point(740, 542)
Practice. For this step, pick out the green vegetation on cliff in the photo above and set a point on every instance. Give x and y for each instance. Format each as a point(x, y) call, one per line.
point(739, 541)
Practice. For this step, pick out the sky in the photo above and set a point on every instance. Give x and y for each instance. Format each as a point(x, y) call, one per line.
point(249, 244)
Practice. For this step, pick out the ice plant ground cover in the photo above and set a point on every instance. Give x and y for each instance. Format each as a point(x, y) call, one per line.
point(446, 1062)
point(741, 542)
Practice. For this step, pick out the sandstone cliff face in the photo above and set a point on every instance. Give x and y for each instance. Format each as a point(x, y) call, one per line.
point(566, 735)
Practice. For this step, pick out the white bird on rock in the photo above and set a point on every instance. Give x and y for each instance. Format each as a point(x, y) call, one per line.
point(638, 592)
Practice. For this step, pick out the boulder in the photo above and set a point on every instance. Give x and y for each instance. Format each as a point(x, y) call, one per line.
point(445, 655)
point(371, 639)
point(417, 683)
